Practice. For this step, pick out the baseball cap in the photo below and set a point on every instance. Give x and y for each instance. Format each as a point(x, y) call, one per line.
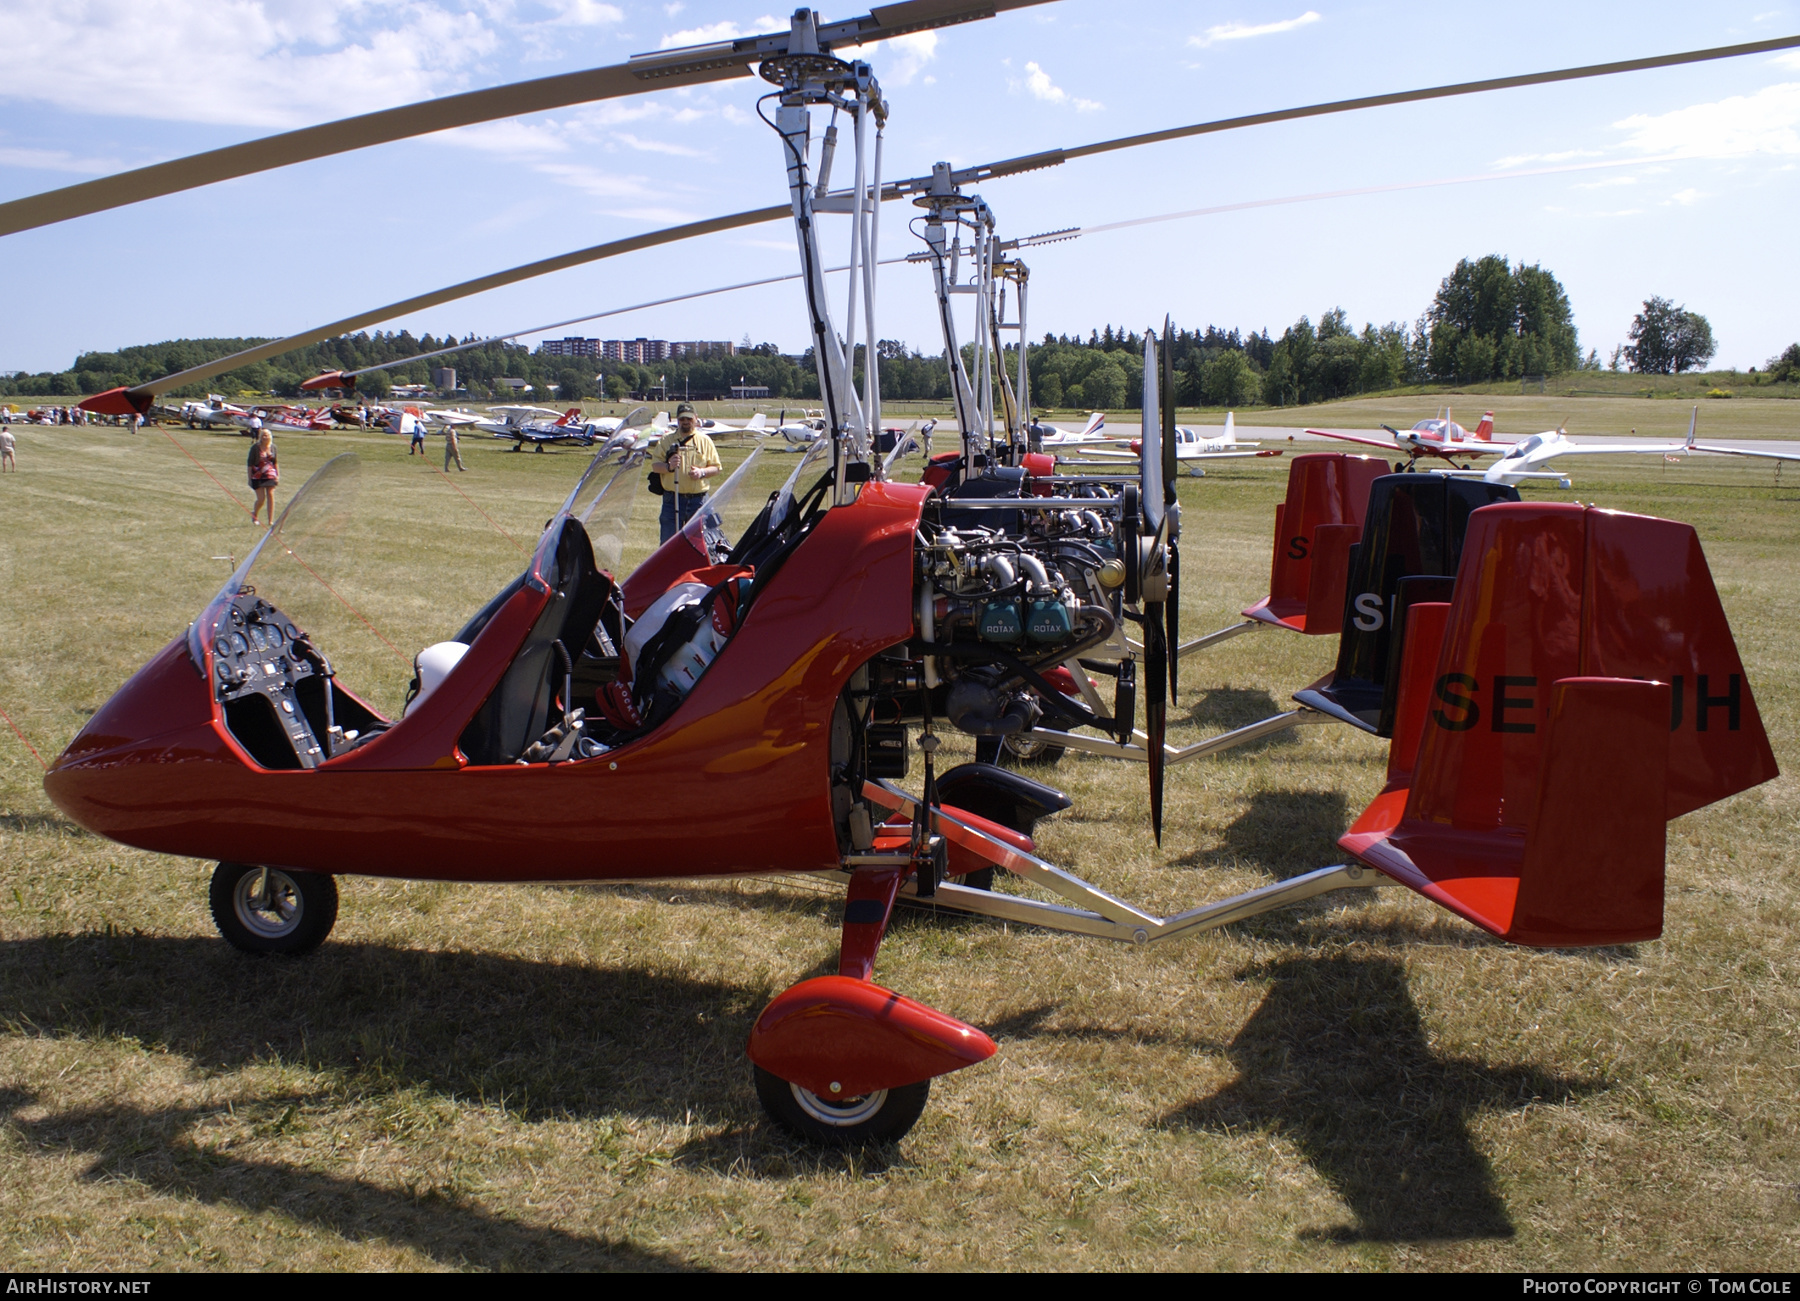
point(685, 409)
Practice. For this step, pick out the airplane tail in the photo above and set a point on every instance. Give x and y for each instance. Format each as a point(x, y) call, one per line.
point(1095, 423)
point(1230, 428)
point(1517, 691)
point(570, 417)
point(757, 422)
point(1693, 428)
point(1485, 430)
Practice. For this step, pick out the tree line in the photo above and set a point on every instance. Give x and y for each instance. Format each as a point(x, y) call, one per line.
point(1489, 320)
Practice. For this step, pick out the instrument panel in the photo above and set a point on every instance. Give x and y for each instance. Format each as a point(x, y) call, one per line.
point(257, 652)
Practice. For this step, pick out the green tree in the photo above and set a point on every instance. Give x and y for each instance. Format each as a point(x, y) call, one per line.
point(376, 384)
point(1105, 386)
point(1666, 339)
point(1785, 369)
point(1522, 315)
point(1228, 380)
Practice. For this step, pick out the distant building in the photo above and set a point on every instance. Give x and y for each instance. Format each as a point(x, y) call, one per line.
point(570, 348)
point(698, 348)
point(443, 378)
point(516, 385)
point(410, 390)
point(741, 391)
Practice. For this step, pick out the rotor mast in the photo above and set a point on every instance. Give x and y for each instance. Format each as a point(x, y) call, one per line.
point(810, 76)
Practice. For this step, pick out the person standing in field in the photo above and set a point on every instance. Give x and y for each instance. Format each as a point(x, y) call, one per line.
point(264, 473)
point(452, 450)
point(684, 461)
point(6, 449)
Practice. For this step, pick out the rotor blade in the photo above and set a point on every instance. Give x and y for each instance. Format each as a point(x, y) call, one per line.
point(1053, 157)
point(1156, 707)
point(650, 239)
point(663, 70)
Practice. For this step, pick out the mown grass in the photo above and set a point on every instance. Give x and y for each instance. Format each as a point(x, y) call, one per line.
point(524, 1077)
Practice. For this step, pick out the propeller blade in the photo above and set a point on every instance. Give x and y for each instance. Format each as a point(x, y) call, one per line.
point(663, 70)
point(1166, 392)
point(1173, 609)
point(1156, 707)
point(1172, 517)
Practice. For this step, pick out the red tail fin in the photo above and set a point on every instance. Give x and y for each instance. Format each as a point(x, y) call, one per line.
point(570, 416)
point(1485, 430)
point(1503, 805)
point(1323, 488)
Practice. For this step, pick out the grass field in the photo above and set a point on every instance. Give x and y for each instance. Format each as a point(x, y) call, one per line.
point(521, 1077)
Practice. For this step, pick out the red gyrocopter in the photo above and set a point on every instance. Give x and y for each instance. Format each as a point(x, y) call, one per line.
point(793, 670)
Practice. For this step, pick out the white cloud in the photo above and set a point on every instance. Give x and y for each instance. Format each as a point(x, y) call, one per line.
point(1609, 183)
point(585, 13)
point(1767, 122)
point(906, 57)
point(659, 146)
point(1789, 60)
point(57, 160)
point(722, 31)
point(264, 63)
point(1244, 31)
point(1685, 198)
point(1038, 82)
point(674, 8)
point(1519, 160)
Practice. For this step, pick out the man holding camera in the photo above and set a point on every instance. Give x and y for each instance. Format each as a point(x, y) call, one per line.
point(683, 462)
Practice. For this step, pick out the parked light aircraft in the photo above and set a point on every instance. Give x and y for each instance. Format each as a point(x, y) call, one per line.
point(1523, 458)
point(1052, 436)
point(1193, 446)
point(1438, 437)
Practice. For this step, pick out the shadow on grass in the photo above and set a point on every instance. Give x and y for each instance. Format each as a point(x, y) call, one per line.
point(1225, 709)
point(1284, 833)
point(1337, 1062)
point(154, 1148)
point(544, 1039)
point(30, 822)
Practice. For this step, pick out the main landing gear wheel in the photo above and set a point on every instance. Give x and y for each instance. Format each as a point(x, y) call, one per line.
point(294, 916)
point(881, 1117)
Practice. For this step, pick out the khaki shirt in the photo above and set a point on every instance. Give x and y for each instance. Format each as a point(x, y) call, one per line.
point(697, 453)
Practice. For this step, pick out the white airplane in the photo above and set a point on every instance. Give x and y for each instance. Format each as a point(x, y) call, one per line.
point(503, 421)
point(1523, 458)
point(801, 435)
point(456, 417)
point(1052, 436)
point(215, 411)
point(1193, 446)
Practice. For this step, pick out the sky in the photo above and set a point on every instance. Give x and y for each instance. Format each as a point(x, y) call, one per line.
point(1687, 183)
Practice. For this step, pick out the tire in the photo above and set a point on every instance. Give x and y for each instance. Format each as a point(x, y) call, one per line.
point(1026, 751)
point(301, 911)
point(883, 1117)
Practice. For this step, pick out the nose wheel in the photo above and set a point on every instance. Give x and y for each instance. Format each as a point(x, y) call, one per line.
point(880, 1117)
point(267, 910)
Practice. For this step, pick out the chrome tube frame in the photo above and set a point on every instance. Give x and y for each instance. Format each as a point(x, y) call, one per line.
point(1094, 912)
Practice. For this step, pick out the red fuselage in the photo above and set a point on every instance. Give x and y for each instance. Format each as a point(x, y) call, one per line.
point(736, 781)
